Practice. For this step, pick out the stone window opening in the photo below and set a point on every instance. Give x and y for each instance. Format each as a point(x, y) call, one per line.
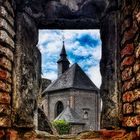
point(86, 113)
point(59, 108)
point(85, 116)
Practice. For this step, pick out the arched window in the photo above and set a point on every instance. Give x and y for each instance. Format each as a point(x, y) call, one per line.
point(59, 108)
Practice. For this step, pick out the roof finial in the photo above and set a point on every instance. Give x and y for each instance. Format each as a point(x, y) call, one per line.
point(63, 38)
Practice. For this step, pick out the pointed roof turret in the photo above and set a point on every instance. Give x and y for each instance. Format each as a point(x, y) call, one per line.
point(63, 62)
point(63, 51)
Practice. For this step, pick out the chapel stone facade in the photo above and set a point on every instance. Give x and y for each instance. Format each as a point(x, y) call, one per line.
point(73, 88)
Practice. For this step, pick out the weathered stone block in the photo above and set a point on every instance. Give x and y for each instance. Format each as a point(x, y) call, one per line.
point(4, 37)
point(131, 121)
point(131, 96)
point(9, 8)
point(5, 86)
point(4, 25)
point(128, 50)
point(137, 107)
point(6, 52)
point(5, 98)
point(138, 78)
point(129, 34)
point(5, 121)
point(127, 61)
point(136, 66)
point(12, 135)
point(128, 85)
point(4, 13)
point(5, 75)
point(5, 109)
point(127, 73)
point(4, 62)
point(137, 51)
point(127, 108)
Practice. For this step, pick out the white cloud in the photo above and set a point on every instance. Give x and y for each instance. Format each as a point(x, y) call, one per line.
point(95, 76)
point(51, 75)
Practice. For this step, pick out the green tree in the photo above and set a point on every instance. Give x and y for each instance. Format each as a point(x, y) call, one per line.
point(62, 126)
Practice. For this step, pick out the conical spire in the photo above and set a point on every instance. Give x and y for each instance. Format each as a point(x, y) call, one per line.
point(63, 62)
point(63, 51)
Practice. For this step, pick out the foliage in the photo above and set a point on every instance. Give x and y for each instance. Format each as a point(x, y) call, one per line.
point(62, 126)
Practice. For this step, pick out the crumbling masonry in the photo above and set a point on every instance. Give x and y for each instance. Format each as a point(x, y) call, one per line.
point(119, 23)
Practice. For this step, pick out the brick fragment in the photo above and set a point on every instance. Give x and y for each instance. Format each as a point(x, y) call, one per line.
point(131, 96)
point(5, 121)
point(127, 61)
point(5, 98)
point(137, 107)
point(5, 86)
point(12, 135)
point(5, 110)
point(136, 67)
point(128, 50)
point(5, 75)
point(137, 51)
point(131, 121)
point(127, 108)
point(128, 85)
point(127, 74)
point(4, 62)
point(112, 133)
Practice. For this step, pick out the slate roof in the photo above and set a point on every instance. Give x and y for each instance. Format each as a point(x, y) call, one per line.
point(69, 115)
point(75, 78)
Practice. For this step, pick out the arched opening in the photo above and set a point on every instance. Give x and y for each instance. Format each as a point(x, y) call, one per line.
point(58, 108)
point(110, 47)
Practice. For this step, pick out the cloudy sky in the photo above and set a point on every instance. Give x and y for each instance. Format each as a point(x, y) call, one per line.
point(82, 46)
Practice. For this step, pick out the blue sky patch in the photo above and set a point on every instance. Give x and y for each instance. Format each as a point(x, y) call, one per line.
point(82, 46)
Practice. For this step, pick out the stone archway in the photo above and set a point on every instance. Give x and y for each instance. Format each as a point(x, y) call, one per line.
point(32, 16)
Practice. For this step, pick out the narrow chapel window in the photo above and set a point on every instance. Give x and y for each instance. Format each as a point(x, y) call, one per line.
point(59, 108)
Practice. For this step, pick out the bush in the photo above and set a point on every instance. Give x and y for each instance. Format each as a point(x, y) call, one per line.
point(62, 126)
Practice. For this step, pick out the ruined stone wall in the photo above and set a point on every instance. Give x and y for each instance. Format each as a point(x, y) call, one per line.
point(27, 70)
point(7, 48)
point(130, 64)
